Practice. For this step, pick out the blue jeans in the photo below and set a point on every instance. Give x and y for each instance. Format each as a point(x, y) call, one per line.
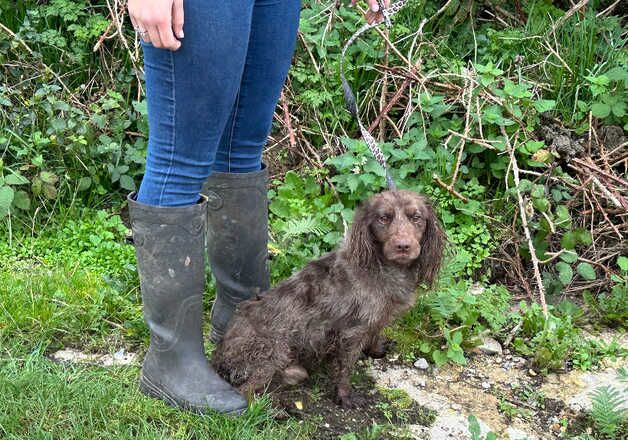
point(211, 103)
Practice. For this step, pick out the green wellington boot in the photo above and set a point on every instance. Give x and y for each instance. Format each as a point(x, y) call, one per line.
point(237, 241)
point(169, 244)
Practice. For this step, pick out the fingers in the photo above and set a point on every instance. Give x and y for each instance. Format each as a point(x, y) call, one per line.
point(153, 36)
point(157, 25)
point(168, 41)
point(177, 18)
point(373, 5)
point(141, 31)
point(374, 14)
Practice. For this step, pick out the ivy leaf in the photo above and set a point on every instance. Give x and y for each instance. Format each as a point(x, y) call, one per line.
point(565, 273)
point(586, 271)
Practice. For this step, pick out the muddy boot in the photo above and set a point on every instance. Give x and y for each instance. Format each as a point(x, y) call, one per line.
point(169, 244)
point(237, 241)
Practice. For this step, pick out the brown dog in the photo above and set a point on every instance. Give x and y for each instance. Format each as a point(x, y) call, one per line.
point(336, 307)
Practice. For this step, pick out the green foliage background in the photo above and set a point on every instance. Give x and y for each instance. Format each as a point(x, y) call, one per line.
point(73, 137)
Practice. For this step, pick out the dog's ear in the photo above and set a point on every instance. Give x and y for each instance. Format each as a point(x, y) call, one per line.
point(432, 246)
point(361, 246)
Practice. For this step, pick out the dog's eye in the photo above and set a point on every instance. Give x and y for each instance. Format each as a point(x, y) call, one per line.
point(384, 219)
point(415, 218)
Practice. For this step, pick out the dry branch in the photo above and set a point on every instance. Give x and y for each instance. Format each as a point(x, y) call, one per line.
point(524, 223)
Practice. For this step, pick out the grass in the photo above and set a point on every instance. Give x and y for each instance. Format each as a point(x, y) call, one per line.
point(43, 309)
point(56, 307)
point(41, 399)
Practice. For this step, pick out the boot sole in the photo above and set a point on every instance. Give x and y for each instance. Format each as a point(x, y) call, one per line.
point(151, 390)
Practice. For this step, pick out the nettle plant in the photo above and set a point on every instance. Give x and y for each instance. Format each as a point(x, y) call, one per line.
point(55, 150)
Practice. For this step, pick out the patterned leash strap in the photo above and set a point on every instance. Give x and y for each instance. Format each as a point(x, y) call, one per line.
point(350, 101)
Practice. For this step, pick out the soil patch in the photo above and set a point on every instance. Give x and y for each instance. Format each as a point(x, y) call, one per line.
point(380, 412)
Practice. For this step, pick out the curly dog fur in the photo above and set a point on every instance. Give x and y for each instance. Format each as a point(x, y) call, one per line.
point(336, 307)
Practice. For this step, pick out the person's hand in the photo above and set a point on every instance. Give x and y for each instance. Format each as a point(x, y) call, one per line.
point(373, 15)
point(159, 22)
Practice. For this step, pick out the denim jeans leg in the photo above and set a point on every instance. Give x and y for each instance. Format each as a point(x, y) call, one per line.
point(191, 94)
point(271, 45)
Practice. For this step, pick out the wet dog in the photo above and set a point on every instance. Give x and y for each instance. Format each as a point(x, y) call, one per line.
point(336, 307)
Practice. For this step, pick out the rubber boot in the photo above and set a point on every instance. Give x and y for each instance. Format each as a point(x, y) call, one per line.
point(169, 245)
point(237, 241)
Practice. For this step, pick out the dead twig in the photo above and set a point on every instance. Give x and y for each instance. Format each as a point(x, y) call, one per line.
point(452, 191)
point(581, 4)
point(524, 223)
point(389, 105)
point(286, 120)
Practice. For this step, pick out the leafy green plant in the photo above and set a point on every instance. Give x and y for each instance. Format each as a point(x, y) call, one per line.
point(609, 418)
point(610, 95)
point(448, 320)
point(476, 432)
point(611, 308)
point(94, 241)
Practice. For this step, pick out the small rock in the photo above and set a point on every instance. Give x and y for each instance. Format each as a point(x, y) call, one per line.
point(490, 346)
point(456, 406)
point(421, 364)
point(486, 385)
point(508, 357)
point(498, 360)
point(506, 351)
point(531, 372)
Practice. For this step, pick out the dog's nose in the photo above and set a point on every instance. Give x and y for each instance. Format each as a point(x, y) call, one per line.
point(403, 246)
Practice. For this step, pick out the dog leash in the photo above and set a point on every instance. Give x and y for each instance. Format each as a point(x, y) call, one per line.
point(350, 101)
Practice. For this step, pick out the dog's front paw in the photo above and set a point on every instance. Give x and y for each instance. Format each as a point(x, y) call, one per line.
point(379, 348)
point(350, 400)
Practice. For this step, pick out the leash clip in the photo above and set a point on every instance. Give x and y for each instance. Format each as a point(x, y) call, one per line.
point(386, 13)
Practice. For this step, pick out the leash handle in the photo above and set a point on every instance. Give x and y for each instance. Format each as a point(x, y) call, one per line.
point(350, 100)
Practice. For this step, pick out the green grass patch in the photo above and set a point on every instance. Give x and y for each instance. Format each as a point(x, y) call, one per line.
point(40, 399)
point(56, 307)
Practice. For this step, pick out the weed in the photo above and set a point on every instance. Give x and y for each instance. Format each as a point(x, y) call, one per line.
point(475, 431)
